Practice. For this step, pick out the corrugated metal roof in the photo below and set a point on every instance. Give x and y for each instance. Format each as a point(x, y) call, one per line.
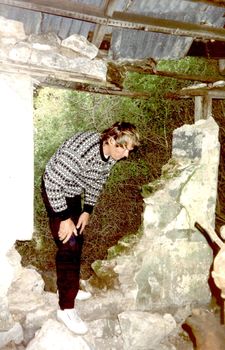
point(127, 43)
point(138, 44)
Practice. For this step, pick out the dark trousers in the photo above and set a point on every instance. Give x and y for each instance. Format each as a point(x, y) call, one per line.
point(68, 254)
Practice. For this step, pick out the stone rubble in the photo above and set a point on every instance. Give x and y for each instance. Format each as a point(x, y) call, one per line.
point(73, 54)
point(112, 325)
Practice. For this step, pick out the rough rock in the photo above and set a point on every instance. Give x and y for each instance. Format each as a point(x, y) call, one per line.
point(154, 327)
point(14, 334)
point(169, 265)
point(74, 54)
point(54, 335)
point(81, 45)
point(12, 30)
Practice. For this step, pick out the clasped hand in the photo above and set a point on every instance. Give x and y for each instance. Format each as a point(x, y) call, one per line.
point(67, 227)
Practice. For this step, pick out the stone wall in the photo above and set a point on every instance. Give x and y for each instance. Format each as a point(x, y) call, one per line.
point(74, 55)
point(170, 264)
point(16, 186)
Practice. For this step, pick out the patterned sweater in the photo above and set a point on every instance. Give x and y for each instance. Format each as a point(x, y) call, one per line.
point(78, 166)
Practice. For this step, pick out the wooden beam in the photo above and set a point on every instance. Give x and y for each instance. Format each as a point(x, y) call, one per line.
point(212, 93)
point(100, 30)
point(121, 19)
point(203, 107)
point(72, 80)
point(191, 77)
point(98, 35)
point(82, 87)
point(68, 80)
point(117, 72)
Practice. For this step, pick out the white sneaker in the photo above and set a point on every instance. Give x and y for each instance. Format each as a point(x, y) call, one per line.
point(82, 295)
point(72, 321)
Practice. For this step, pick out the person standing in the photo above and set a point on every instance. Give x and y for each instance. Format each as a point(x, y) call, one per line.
point(72, 182)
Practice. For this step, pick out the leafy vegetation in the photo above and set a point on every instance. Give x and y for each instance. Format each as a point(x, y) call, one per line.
point(60, 113)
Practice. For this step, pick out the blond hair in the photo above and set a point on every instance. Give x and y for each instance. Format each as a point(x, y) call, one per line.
point(123, 133)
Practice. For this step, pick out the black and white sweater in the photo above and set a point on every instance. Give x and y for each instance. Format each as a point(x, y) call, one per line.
point(78, 166)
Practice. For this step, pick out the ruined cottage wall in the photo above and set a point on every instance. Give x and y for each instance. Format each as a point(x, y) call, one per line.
point(16, 158)
point(16, 154)
point(16, 100)
point(16, 141)
point(170, 266)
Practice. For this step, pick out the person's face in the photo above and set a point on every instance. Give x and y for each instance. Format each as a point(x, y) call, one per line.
point(118, 152)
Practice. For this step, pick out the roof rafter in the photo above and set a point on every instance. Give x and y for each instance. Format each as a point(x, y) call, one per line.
point(218, 93)
point(117, 72)
point(100, 30)
point(121, 19)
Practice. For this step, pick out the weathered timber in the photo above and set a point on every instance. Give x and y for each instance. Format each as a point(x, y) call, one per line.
point(216, 93)
point(116, 72)
point(82, 87)
point(107, 7)
point(76, 81)
point(191, 77)
point(203, 107)
point(121, 19)
point(68, 80)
